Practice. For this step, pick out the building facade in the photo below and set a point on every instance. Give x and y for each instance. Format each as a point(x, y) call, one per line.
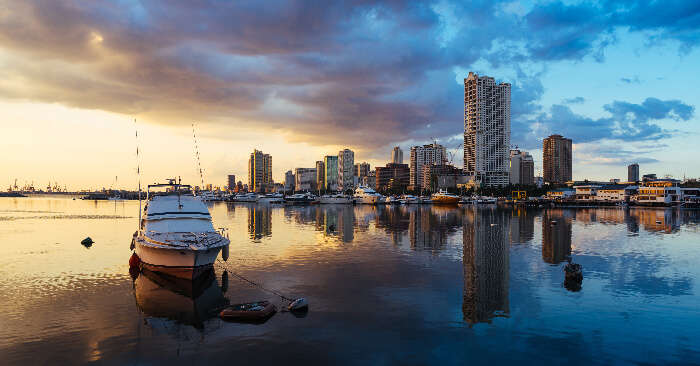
point(289, 181)
point(431, 174)
point(320, 175)
point(486, 130)
point(346, 169)
point(330, 176)
point(522, 168)
point(556, 159)
point(259, 171)
point(633, 172)
point(305, 179)
point(231, 183)
point(397, 155)
point(392, 177)
point(433, 154)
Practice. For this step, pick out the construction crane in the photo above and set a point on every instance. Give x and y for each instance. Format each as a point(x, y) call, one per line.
point(452, 154)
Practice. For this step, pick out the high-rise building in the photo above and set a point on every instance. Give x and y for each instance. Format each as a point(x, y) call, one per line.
point(392, 176)
point(289, 181)
point(522, 168)
point(361, 170)
point(432, 172)
point(231, 182)
point(259, 170)
point(330, 176)
point(633, 172)
point(486, 130)
point(346, 167)
point(305, 179)
point(397, 155)
point(320, 175)
point(556, 159)
point(433, 154)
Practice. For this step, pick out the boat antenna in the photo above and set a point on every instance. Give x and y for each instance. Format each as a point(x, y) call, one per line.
point(138, 169)
point(196, 150)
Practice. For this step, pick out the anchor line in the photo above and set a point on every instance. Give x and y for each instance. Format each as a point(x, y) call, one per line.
point(253, 283)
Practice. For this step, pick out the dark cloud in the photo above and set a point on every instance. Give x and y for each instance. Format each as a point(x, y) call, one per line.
point(325, 74)
point(575, 100)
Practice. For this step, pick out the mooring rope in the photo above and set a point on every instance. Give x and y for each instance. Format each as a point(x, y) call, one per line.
point(223, 264)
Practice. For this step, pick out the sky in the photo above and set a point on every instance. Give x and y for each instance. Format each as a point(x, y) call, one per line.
point(301, 80)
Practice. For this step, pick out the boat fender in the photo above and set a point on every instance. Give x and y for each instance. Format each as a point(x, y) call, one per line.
point(298, 304)
point(134, 261)
point(224, 253)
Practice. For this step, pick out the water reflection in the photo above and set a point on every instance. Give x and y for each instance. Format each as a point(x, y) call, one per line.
point(188, 302)
point(522, 225)
point(486, 261)
point(430, 227)
point(556, 235)
point(259, 221)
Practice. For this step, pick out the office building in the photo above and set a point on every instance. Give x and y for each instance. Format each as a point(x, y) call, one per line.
point(433, 154)
point(320, 175)
point(305, 179)
point(259, 171)
point(393, 177)
point(486, 130)
point(231, 182)
point(361, 170)
point(633, 172)
point(346, 169)
point(556, 159)
point(522, 168)
point(397, 155)
point(432, 174)
point(330, 176)
point(289, 181)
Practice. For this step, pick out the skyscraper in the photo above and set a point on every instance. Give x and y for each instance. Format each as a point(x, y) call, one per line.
point(522, 168)
point(330, 176)
point(397, 155)
point(556, 159)
point(486, 130)
point(320, 175)
point(259, 170)
point(231, 182)
point(425, 155)
point(633, 172)
point(346, 167)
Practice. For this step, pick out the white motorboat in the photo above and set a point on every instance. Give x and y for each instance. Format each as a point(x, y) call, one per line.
point(335, 199)
point(245, 197)
point(300, 199)
point(367, 195)
point(272, 198)
point(176, 235)
point(409, 199)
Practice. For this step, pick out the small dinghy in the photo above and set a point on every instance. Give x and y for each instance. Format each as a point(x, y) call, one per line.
point(249, 312)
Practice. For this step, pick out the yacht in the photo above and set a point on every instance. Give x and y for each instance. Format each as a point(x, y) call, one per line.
point(176, 235)
point(367, 195)
point(300, 199)
point(442, 197)
point(245, 197)
point(272, 198)
point(335, 198)
point(410, 199)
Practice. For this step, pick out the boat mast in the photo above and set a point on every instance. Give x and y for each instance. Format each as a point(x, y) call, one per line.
point(138, 169)
point(196, 150)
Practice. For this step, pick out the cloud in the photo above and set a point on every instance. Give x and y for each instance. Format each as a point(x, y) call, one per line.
point(364, 74)
point(575, 100)
point(633, 80)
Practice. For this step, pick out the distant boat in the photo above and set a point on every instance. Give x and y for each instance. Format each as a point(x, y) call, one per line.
point(273, 198)
point(367, 195)
point(443, 197)
point(300, 199)
point(176, 234)
point(335, 199)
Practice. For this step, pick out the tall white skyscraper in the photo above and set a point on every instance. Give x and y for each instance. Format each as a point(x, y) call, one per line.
point(425, 155)
point(486, 130)
point(346, 169)
point(397, 155)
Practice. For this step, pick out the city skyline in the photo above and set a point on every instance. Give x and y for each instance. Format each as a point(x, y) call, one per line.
point(75, 78)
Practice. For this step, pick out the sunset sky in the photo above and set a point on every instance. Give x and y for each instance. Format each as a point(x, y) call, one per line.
point(299, 80)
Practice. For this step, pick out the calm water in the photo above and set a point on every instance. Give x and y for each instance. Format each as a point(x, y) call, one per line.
point(396, 285)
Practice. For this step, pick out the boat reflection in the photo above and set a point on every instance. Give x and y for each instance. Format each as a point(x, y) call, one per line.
point(486, 261)
point(188, 302)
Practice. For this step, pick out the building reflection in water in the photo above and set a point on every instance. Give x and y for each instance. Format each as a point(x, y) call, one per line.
point(338, 220)
point(486, 261)
point(430, 226)
point(556, 235)
point(522, 225)
point(259, 221)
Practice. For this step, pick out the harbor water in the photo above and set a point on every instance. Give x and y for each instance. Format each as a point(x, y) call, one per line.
point(416, 284)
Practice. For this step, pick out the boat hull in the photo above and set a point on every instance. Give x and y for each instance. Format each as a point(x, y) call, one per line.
point(180, 263)
point(368, 200)
point(335, 200)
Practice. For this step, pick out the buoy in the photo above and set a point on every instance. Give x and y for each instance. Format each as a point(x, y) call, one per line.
point(87, 242)
point(224, 253)
point(299, 304)
point(134, 261)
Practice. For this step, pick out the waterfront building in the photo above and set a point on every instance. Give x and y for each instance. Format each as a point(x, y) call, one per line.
point(522, 168)
point(305, 179)
point(231, 183)
point(361, 170)
point(648, 177)
point(320, 175)
point(486, 130)
point(659, 192)
point(392, 177)
point(259, 170)
point(432, 175)
point(397, 155)
point(370, 180)
point(289, 181)
point(633, 172)
point(561, 193)
point(346, 167)
point(556, 159)
point(421, 156)
point(330, 176)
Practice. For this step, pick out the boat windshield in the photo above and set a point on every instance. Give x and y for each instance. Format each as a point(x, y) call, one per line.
point(184, 225)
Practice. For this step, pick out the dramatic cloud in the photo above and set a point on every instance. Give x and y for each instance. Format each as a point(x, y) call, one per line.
point(360, 73)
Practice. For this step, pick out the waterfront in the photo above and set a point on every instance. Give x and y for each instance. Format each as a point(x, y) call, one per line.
point(403, 284)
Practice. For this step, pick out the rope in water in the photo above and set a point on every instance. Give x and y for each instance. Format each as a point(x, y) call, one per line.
point(223, 264)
